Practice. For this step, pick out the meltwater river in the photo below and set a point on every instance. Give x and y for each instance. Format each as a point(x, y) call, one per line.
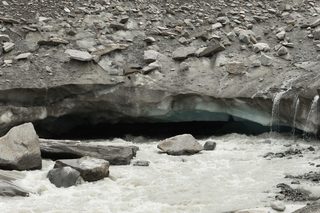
point(234, 176)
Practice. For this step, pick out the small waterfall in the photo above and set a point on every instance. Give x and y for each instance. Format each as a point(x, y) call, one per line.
point(276, 109)
point(312, 116)
point(296, 108)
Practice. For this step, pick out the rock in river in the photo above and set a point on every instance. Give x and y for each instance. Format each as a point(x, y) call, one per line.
point(91, 169)
point(20, 149)
point(64, 177)
point(116, 155)
point(9, 189)
point(180, 145)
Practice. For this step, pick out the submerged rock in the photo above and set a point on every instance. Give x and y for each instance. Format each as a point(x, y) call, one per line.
point(180, 145)
point(64, 177)
point(20, 149)
point(116, 155)
point(210, 145)
point(91, 169)
point(141, 163)
point(9, 189)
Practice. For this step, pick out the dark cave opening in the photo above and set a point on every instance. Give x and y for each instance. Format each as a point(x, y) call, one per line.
point(74, 127)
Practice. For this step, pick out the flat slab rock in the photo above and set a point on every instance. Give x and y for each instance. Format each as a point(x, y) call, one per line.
point(180, 145)
point(64, 149)
point(91, 169)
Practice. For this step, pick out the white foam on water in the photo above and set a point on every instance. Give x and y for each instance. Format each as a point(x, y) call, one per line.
point(234, 176)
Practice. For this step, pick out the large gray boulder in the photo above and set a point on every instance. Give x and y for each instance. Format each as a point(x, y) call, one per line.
point(9, 189)
point(19, 149)
point(62, 149)
point(91, 169)
point(64, 177)
point(180, 145)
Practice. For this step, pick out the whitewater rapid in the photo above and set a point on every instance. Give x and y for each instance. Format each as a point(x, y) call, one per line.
point(234, 176)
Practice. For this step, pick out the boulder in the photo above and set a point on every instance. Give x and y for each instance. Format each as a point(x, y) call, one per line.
point(91, 169)
point(180, 145)
point(10, 190)
point(209, 145)
point(20, 149)
point(64, 177)
point(116, 155)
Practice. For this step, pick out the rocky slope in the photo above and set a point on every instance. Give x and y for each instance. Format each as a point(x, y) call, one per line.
point(160, 60)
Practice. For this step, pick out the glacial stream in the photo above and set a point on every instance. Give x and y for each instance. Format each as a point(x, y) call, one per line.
point(234, 176)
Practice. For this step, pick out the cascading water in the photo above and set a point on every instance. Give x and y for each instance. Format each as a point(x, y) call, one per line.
point(312, 117)
point(296, 108)
point(276, 110)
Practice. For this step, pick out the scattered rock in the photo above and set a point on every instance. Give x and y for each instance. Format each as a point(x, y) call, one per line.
point(20, 149)
point(282, 51)
point(261, 47)
point(91, 169)
point(79, 55)
point(53, 41)
point(210, 145)
point(265, 60)
point(183, 52)
point(4, 38)
point(316, 34)
point(150, 56)
point(235, 67)
point(180, 145)
point(151, 67)
point(8, 46)
point(23, 56)
point(64, 177)
point(281, 35)
point(211, 50)
point(216, 26)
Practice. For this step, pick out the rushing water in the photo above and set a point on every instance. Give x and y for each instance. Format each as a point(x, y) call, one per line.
point(234, 176)
point(296, 108)
point(276, 109)
point(312, 117)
